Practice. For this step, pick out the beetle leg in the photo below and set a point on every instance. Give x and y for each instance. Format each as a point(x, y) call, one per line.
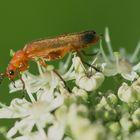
point(42, 63)
point(92, 66)
point(18, 73)
point(62, 80)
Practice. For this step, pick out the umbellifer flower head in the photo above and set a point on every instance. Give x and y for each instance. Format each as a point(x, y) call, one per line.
point(76, 104)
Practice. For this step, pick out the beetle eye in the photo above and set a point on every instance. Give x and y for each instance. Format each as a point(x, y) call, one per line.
point(11, 72)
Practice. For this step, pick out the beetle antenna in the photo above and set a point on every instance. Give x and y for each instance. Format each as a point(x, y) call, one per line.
point(2, 76)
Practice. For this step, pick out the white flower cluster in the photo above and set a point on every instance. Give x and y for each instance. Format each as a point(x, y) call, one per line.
point(49, 111)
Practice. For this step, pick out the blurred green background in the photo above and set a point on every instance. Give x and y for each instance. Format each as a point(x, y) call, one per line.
point(24, 20)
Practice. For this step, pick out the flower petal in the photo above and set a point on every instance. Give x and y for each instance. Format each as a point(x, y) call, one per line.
point(56, 132)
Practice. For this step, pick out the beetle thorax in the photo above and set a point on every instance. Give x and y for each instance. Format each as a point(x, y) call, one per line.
point(18, 63)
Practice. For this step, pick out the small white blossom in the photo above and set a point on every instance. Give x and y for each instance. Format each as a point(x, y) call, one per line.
point(35, 82)
point(79, 93)
point(56, 132)
point(18, 108)
point(87, 79)
point(115, 127)
point(126, 123)
point(78, 65)
point(104, 109)
point(136, 67)
point(112, 99)
point(117, 63)
point(135, 135)
point(130, 76)
point(82, 128)
point(121, 66)
point(30, 114)
point(136, 117)
point(136, 86)
point(89, 83)
point(130, 93)
point(127, 93)
point(31, 136)
point(37, 112)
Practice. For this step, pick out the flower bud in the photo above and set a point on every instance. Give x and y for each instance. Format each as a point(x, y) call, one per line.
point(112, 99)
point(126, 124)
point(115, 127)
point(127, 93)
point(136, 117)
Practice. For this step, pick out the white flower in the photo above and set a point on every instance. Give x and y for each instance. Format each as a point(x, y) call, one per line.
point(127, 93)
point(137, 67)
point(120, 66)
point(18, 108)
point(136, 86)
point(136, 117)
point(112, 99)
point(78, 65)
point(117, 63)
point(80, 126)
point(89, 83)
point(114, 127)
point(88, 80)
point(104, 109)
point(130, 93)
point(35, 82)
point(135, 135)
point(56, 132)
point(31, 136)
point(76, 92)
point(126, 123)
point(130, 76)
point(38, 112)
point(82, 129)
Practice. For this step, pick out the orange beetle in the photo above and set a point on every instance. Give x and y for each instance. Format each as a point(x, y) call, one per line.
point(49, 49)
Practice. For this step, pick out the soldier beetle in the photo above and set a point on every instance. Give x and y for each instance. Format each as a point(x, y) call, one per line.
point(49, 49)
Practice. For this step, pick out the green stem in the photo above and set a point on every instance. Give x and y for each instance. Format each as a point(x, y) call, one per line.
point(108, 42)
point(103, 54)
point(135, 54)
